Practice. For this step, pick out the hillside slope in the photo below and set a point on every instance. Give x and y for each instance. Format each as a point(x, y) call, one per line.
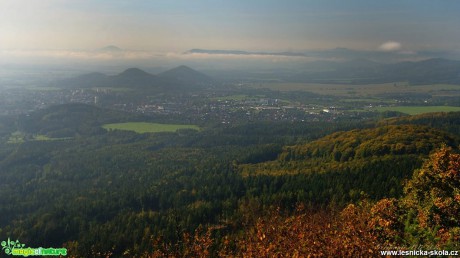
point(354, 150)
point(68, 119)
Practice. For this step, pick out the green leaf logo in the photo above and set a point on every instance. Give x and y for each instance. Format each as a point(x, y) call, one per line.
point(9, 246)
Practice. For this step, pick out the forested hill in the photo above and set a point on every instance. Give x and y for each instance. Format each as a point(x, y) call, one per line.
point(343, 166)
point(446, 121)
point(177, 79)
point(113, 193)
point(69, 119)
point(380, 141)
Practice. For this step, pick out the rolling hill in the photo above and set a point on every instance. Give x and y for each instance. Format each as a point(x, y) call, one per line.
point(357, 149)
point(185, 74)
point(67, 120)
point(135, 78)
point(179, 78)
point(118, 191)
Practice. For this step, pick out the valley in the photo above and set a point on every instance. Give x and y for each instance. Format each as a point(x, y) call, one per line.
point(137, 162)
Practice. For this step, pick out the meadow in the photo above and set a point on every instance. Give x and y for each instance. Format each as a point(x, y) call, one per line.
point(364, 90)
point(144, 127)
point(415, 110)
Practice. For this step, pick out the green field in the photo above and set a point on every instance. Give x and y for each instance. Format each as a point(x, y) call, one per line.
point(40, 137)
point(369, 91)
point(351, 91)
point(415, 110)
point(143, 127)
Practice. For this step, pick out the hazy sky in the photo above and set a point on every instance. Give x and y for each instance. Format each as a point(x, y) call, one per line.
point(258, 25)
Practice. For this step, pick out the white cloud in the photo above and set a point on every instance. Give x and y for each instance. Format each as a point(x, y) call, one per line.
point(390, 46)
point(80, 54)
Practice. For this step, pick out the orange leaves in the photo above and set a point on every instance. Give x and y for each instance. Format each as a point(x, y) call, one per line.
point(457, 198)
point(434, 190)
point(386, 220)
point(427, 215)
point(310, 234)
point(443, 235)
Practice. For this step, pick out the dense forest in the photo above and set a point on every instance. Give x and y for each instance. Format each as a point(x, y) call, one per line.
point(253, 189)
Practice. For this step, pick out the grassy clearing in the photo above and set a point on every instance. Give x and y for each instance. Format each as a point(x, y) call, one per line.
point(40, 137)
point(415, 110)
point(143, 127)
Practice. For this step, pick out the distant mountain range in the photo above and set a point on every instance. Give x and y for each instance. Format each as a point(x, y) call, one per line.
point(340, 53)
point(357, 71)
point(110, 48)
point(178, 78)
point(358, 67)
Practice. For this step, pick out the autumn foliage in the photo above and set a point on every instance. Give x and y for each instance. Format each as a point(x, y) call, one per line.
point(427, 216)
point(433, 196)
point(317, 234)
point(302, 234)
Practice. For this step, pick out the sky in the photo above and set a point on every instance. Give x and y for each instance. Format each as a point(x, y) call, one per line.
point(148, 28)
